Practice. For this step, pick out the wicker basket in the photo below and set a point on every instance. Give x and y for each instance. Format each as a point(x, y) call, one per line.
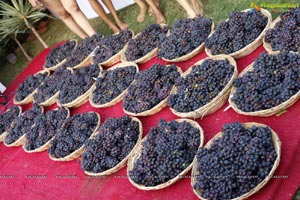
point(47, 144)
point(4, 134)
point(138, 150)
point(29, 97)
point(262, 113)
point(277, 145)
point(121, 164)
point(75, 154)
point(153, 110)
point(253, 45)
point(53, 68)
point(120, 96)
point(192, 53)
point(218, 101)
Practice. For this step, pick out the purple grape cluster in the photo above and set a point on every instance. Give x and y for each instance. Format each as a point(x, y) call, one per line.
point(185, 36)
point(168, 150)
point(59, 53)
point(150, 87)
point(45, 127)
point(145, 42)
point(115, 140)
point(274, 80)
point(8, 117)
point(111, 45)
point(23, 124)
point(31, 83)
point(285, 36)
point(52, 85)
point(241, 29)
point(235, 163)
point(72, 134)
point(201, 86)
point(78, 83)
point(112, 83)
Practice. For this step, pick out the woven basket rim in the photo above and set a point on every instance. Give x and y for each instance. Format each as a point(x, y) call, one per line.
point(4, 134)
point(277, 146)
point(137, 152)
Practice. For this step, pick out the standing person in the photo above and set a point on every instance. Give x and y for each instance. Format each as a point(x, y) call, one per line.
point(154, 8)
point(192, 7)
point(97, 7)
point(69, 12)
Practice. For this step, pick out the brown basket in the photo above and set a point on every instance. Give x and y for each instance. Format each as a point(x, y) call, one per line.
point(121, 164)
point(75, 154)
point(192, 53)
point(62, 62)
point(118, 98)
point(4, 134)
point(153, 110)
point(277, 145)
point(262, 113)
point(138, 150)
point(29, 98)
point(143, 59)
point(47, 144)
point(216, 102)
point(253, 45)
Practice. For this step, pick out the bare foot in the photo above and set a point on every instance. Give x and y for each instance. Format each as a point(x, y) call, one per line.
point(122, 25)
point(142, 15)
point(114, 28)
point(160, 18)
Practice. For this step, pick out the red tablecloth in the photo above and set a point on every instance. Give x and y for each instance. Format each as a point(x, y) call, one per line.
point(35, 176)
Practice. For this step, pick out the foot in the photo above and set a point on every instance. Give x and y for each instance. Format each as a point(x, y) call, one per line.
point(160, 18)
point(122, 25)
point(142, 15)
point(114, 29)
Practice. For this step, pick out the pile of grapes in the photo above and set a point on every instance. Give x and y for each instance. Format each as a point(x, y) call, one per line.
point(286, 33)
point(145, 42)
point(112, 83)
point(59, 53)
point(8, 117)
point(73, 133)
point(274, 80)
point(235, 163)
point(111, 45)
point(31, 83)
point(78, 83)
point(238, 31)
point(115, 140)
point(23, 124)
point(168, 149)
point(185, 36)
point(45, 128)
point(83, 50)
point(201, 85)
point(150, 87)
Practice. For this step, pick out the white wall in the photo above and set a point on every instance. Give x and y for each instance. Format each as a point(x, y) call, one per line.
point(89, 12)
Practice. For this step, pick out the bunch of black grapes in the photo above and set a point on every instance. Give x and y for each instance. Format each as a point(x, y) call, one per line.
point(83, 50)
point(150, 87)
point(23, 124)
point(145, 42)
point(78, 83)
point(235, 163)
point(168, 150)
point(274, 80)
point(241, 29)
point(286, 33)
point(59, 53)
point(201, 86)
point(31, 83)
point(72, 134)
point(52, 85)
point(112, 83)
point(8, 117)
point(111, 45)
point(115, 140)
point(185, 36)
point(45, 127)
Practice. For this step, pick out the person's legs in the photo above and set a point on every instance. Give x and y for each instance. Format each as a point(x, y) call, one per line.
point(57, 8)
point(160, 18)
point(112, 10)
point(143, 10)
point(72, 7)
point(97, 7)
point(192, 7)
